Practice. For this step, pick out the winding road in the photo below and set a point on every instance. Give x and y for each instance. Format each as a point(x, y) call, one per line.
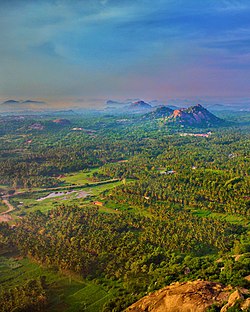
point(8, 204)
point(4, 216)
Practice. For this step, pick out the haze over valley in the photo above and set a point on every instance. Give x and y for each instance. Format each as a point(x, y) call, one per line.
point(124, 156)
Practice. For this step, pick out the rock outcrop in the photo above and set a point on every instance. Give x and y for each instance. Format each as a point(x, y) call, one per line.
point(233, 298)
point(195, 296)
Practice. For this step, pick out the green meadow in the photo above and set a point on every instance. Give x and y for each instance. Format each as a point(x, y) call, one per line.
point(234, 219)
point(80, 177)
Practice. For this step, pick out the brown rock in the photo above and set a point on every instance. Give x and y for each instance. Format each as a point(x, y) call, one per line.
point(236, 295)
point(194, 296)
point(246, 304)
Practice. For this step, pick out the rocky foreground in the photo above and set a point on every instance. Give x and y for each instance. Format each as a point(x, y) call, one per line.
point(195, 296)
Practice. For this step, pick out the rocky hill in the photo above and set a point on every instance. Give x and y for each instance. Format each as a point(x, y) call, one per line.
point(160, 112)
point(195, 116)
point(195, 296)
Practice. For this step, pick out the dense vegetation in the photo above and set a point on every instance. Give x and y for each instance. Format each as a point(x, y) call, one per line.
point(154, 230)
point(28, 297)
point(91, 243)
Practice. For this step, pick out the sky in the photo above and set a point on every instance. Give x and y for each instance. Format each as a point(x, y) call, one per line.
point(85, 51)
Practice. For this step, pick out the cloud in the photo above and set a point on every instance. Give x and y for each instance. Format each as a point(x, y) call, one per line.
point(62, 47)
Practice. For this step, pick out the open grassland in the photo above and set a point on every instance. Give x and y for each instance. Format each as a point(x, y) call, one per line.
point(79, 178)
point(67, 291)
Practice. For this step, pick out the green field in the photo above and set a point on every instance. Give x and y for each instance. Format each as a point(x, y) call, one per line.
point(80, 177)
point(234, 219)
point(70, 292)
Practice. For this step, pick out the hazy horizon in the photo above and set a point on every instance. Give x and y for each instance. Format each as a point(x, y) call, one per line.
point(214, 103)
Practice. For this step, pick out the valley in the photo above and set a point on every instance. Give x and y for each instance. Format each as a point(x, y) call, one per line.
point(95, 219)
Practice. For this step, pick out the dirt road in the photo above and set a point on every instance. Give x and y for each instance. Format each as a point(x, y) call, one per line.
point(8, 204)
point(4, 216)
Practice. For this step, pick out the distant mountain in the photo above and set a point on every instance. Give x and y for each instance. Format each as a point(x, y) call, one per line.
point(61, 112)
point(194, 116)
point(159, 112)
point(14, 102)
point(32, 102)
point(156, 103)
point(139, 105)
point(136, 105)
point(229, 107)
point(11, 102)
point(111, 104)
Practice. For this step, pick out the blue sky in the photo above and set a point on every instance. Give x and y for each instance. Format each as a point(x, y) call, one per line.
point(72, 49)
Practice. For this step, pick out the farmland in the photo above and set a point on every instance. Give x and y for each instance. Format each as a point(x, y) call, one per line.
point(65, 290)
point(110, 214)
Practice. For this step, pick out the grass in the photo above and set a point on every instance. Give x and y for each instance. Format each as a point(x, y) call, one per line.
point(109, 210)
point(234, 219)
point(67, 291)
point(79, 177)
point(91, 298)
point(123, 207)
point(217, 171)
point(3, 207)
point(98, 189)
